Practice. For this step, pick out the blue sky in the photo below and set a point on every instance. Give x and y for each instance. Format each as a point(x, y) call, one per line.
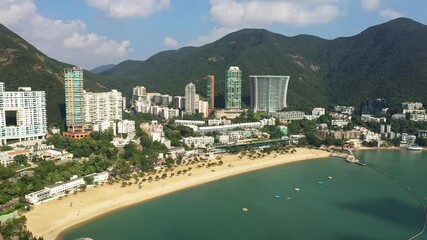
point(90, 33)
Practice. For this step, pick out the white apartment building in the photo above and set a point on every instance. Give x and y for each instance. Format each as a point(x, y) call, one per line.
point(339, 123)
point(60, 189)
point(143, 106)
point(139, 93)
point(190, 122)
point(318, 111)
point(226, 128)
point(344, 109)
point(125, 126)
point(199, 141)
point(289, 115)
point(413, 107)
point(369, 118)
point(101, 126)
point(103, 106)
point(204, 108)
point(190, 99)
point(398, 116)
point(268, 122)
point(217, 122)
point(22, 114)
point(418, 117)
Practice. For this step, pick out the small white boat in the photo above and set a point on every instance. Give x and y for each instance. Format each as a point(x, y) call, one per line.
point(244, 209)
point(296, 189)
point(329, 177)
point(414, 147)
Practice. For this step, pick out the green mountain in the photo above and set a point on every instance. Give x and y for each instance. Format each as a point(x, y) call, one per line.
point(387, 60)
point(22, 65)
point(103, 68)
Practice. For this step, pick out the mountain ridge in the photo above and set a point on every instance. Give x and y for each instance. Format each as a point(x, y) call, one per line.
point(344, 70)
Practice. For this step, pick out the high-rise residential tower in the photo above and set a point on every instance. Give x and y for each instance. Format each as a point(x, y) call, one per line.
point(22, 114)
point(210, 93)
point(74, 103)
point(268, 92)
point(233, 88)
point(139, 93)
point(191, 100)
point(103, 106)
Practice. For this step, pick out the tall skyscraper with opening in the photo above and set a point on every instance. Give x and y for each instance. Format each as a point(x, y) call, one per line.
point(191, 100)
point(22, 114)
point(233, 88)
point(74, 102)
point(210, 93)
point(268, 92)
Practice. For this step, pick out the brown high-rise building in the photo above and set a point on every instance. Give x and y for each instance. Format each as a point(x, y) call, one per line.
point(210, 93)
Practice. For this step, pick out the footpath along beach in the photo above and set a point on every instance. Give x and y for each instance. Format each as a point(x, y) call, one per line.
point(49, 219)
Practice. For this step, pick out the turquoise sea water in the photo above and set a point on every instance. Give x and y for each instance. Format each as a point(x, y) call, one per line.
point(358, 203)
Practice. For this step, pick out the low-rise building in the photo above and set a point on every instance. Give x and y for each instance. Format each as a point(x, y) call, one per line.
point(344, 135)
point(228, 113)
point(339, 123)
point(61, 188)
point(344, 109)
point(422, 133)
point(288, 115)
point(398, 116)
point(101, 126)
point(217, 122)
point(418, 117)
point(226, 128)
point(125, 126)
point(318, 111)
point(8, 157)
point(199, 141)
point(369, 118)
point(189, 122)
point(371, 136)
point(413, 107)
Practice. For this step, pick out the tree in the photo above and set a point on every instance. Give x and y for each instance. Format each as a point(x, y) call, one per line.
point(20, 159)
point(88, 180)
point(83, 187)
point(422, 142)
point(6, 173)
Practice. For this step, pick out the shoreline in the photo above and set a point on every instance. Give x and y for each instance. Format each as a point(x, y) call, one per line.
point(385, 148)
point(96, 202)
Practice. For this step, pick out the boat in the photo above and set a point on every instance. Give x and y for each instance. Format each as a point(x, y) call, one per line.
point(288, 198)
point(296, 189)
point(244, 209)
point(414, 147)
point(320, 182)
point(277, 196)
point(330, 177)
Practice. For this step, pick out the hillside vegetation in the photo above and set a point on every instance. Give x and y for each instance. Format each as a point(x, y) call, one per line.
point(22, 65)
point(387, 60)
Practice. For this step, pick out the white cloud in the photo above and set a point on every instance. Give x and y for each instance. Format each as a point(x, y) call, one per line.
point(13, 11)
point(388, 13)
point(170, 42)
point(215, 34)
point(234, 13)
point(66, 41)
point(371, 5)
point(129, 8)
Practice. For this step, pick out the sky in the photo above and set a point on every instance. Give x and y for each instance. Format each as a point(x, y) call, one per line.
point(90, 33)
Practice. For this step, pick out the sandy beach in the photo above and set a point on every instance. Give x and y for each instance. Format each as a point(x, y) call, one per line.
point(49, 219)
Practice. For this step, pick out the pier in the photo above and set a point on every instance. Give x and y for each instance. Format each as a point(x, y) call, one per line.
point(348, 157)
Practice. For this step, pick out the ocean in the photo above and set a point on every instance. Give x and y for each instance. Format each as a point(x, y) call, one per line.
point(336, 200)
